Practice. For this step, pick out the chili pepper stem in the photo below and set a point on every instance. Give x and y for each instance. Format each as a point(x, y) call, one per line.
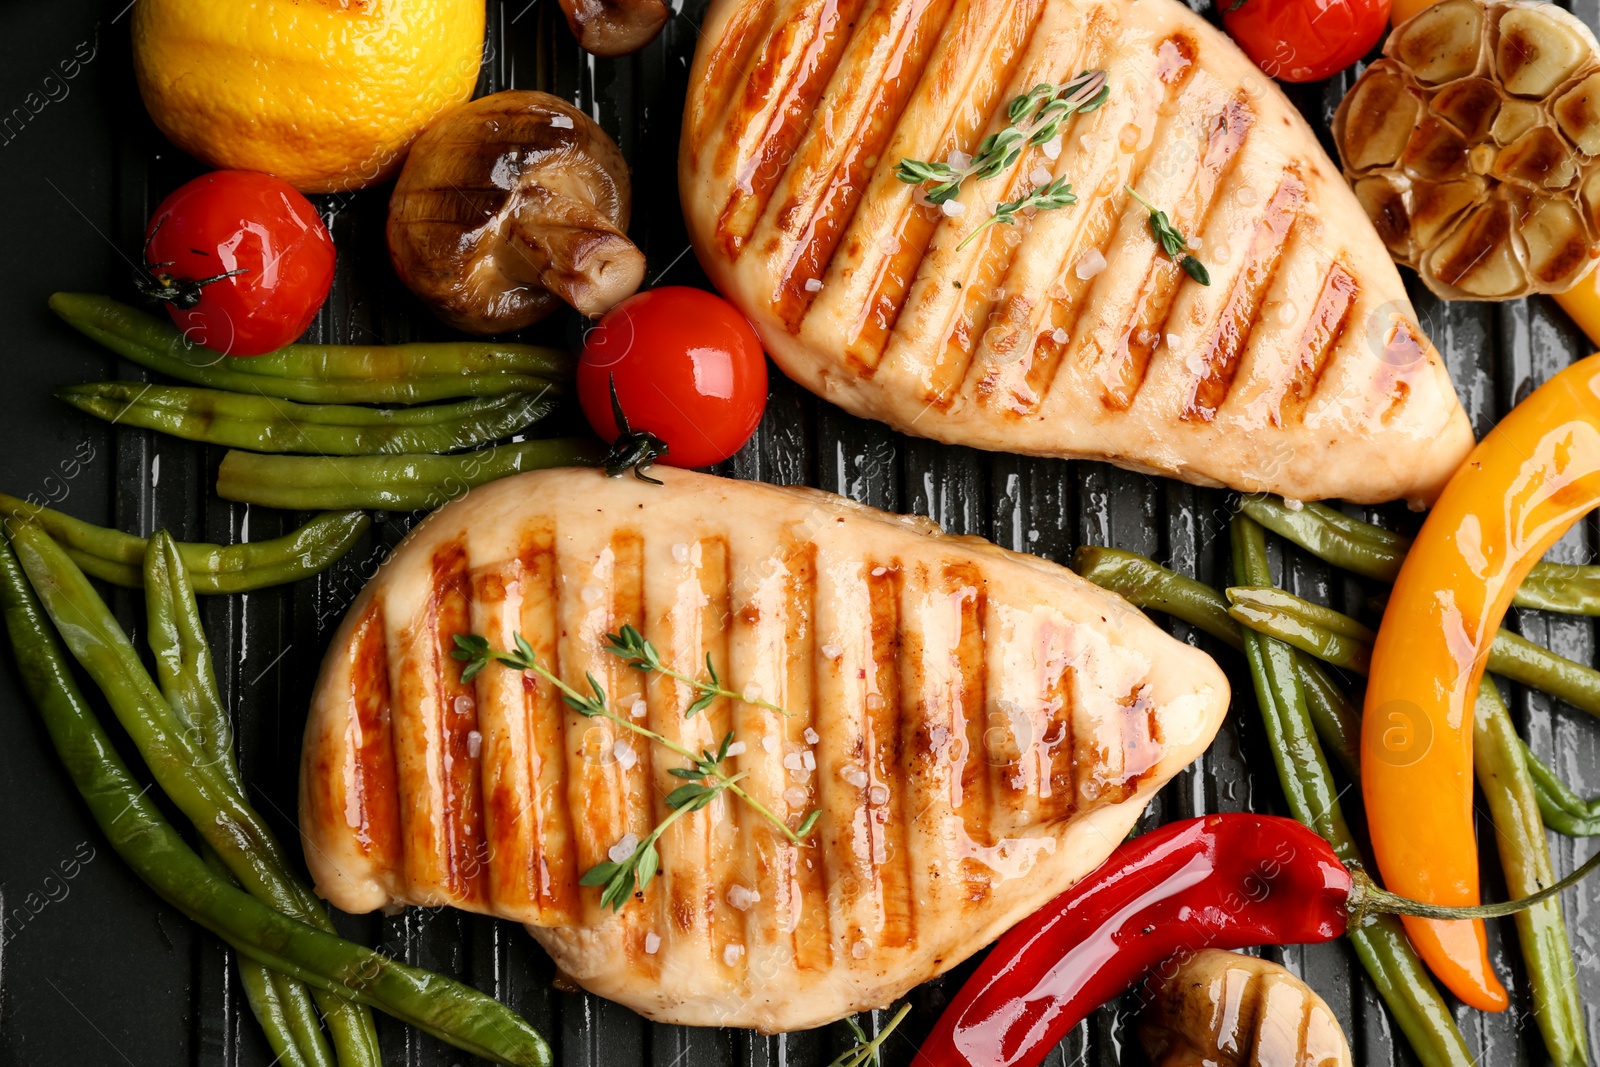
point(1368, 898)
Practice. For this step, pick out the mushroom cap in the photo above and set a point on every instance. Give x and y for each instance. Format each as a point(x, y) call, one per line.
point(1474, 145)
point(510, 205)
point(615, 27)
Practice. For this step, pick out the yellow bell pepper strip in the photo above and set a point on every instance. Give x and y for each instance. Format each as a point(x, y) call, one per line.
point(1526, 484)
point(1582, 303)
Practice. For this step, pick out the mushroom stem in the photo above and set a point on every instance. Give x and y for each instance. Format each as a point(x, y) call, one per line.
point(571, 249)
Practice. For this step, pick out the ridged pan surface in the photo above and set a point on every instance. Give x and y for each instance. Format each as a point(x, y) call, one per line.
point(1301, 369)
point(978, 729)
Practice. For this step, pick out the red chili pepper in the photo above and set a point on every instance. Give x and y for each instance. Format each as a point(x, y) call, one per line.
point(1221, 881)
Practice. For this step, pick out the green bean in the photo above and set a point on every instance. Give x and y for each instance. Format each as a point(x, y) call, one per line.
point(387, 483)
point(325, 374)
point(1306, 626)
point(1302, 624)
point(282, 1006)
point(265, 424)
point(1373, 552)
point(1564, 811)
point(116, 557)
point(1145, 583)
point(1525, 859)
point(1308, 784)
point(182, 654)
point(149, 845)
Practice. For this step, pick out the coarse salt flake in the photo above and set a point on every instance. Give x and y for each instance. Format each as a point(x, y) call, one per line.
point(854, 776)
point(474, 743)
point(770, 743)
point(736, 749)
point(624, 754)
point(793, 762)
point(1039, 175)
point(652, 942)
point(623, 848)
point(832, 651)
point(1051, 149)
point(860, 949)
point(808, 760)
point(879, 572)
point(741, 897)
point(680, 552)
point(1059, 336)
point(1292, 504)
point(464, 705)
point(794, 796)
point(639, 708)
point(813, 285)
point(811, 736)
point(958, 159)
point(878, 794)
point(590, 594)
point(1090, 263)
point(731, 954)
point(752, 693)
point(953, 209)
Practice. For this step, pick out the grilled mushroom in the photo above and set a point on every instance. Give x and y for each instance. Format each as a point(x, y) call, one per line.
point(1473, 145)
point(615, 27)
point(509, 206)
point(1221, 1009)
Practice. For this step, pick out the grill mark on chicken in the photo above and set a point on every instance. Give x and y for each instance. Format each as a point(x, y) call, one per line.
point(821, 211)
point(807, 870)
point(435, 713)
point(999, 369)
point(987, 80)
point(532, 865)
point(1124, 373)
point(880, 814)
point(1223, 353)
point(960, 313)
point(749, 27)
point(1175, 66)
point(602, 591)
point(371, 804)
point(707, 602)
point(1323, 333)
point(760, 174)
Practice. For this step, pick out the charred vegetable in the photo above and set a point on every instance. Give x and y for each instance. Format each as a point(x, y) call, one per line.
point(1472, 145)
point(510, 206)
point(1227, 1010)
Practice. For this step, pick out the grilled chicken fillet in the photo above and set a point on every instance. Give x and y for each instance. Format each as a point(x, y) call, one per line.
point(978, 729)
point(1300, 370)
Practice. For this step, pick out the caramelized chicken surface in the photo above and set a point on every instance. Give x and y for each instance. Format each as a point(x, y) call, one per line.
point(979, 729)
point(1301, 370)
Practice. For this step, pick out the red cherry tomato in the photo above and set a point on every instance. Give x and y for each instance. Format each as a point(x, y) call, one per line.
point(688, 367)
point(1305, 40)
point(241, 259)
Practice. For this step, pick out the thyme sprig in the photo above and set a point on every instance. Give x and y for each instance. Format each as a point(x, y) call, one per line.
point(1036, 117)
point(633, 649)
point(1172, 240)
point(1045, 198)
point(865, 1052)
point(704, 778)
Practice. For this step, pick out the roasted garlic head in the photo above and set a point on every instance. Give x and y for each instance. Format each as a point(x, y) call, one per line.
point(1473, 146)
